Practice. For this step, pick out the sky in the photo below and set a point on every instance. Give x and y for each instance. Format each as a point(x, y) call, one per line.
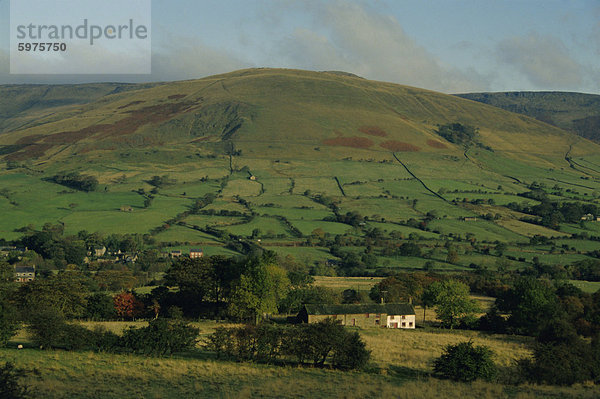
point(452, 46)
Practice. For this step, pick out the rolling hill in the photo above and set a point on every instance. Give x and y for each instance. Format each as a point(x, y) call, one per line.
point(576, 112)
point(283, 156)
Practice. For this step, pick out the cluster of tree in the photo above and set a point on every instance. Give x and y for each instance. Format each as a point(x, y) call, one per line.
point(561, 357)
point(75, 181)
point(49, 330)
point(161, 181)
point(458, 133)
point(353, 219)
point(552, 213)
point(327, 342)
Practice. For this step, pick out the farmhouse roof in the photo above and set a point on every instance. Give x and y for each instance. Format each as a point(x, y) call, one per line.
point(387, 308)
point(24, 269)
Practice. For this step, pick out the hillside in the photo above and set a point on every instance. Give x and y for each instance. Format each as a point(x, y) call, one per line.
point(576, 112)
point(292, 158)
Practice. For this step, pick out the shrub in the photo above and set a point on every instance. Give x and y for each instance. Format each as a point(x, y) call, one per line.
point(160, 338)
point(8, 322)
point(49, 330)
point(9, 383)
point(317, 344)
point(465, 362)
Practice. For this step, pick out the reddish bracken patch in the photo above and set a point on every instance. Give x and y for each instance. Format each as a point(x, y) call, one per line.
point(354, 142)
point(130, 104)
point(38, 144)
point(399, 146)
point(373, 131)
point(436, 144)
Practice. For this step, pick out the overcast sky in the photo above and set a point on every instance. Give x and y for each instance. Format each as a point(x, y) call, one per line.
point(453, 46)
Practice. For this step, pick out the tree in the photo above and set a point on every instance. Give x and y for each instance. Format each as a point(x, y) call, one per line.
point(259, 289)
point(452, 256)
point(100, 307)
point(8, 317)
point(127, 305)
point(531, 303)
point(352, 296)
point(452, 301)
point(66, 293)
point(465, 362)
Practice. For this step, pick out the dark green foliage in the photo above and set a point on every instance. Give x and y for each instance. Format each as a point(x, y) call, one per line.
point(458, 133)
point(351, 353)
point(352, 296)
point(8, 314)
point(465, 362)
point(409, 249)
point(561, 363)
point(160, 338)
point(317, 344)
point(9, 383)
point(100, 307)
point(293, 301)
point(49, 330)
point(76, 181)
point(65, 293)
point(531, 303)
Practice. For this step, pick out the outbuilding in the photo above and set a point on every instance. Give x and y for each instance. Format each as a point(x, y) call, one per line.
point(390, 315)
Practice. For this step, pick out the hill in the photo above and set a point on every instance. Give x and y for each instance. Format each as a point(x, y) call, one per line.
point(293, 159)
point(576, 112)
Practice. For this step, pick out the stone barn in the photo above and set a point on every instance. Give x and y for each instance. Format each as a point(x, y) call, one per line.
point(390, 315)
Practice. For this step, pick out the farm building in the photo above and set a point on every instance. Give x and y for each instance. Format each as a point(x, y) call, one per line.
point(24, 274)
point(196, 253)
point(390, 315)
point(99, 251)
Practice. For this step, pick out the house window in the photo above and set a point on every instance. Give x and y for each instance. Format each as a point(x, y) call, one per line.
point(403, 317)
point(410, 324)
point(367, 315)
point(403, 325)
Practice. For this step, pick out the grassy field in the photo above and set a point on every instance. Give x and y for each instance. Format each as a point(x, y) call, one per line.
point(401, 364)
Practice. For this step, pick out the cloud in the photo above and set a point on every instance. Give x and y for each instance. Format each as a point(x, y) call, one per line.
point(354, 38)
point(188, 59)
point(191, 59)
point(544, 60)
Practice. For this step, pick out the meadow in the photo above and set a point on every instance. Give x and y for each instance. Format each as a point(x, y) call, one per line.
point(400, 367)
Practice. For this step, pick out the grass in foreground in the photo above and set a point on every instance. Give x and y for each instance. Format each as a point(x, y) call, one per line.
point(401, 365)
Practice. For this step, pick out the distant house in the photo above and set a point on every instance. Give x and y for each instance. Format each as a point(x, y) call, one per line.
point(99, 251)
point(470, 219)
point(589, 217)
point(390, 315)
point(175, 254)
point(126, 208)
point(196, 253)
point(252, 177)
point(24, 274)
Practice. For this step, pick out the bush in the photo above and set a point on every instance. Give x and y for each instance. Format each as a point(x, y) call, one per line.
point(465, 362)
point(8, 322)
point(317, 344)
point(49, 330)
point(9, 383)
point(160, 338)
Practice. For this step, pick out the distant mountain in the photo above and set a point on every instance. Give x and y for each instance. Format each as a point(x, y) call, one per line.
point(576, 112)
